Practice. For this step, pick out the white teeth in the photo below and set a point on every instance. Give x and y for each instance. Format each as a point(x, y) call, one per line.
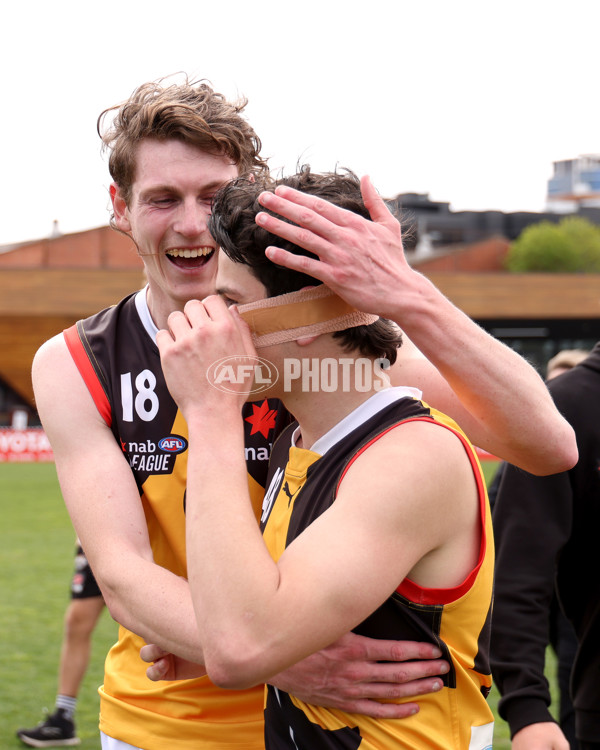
point(190, 253)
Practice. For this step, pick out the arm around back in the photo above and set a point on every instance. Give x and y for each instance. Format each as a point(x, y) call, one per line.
point(104, 504)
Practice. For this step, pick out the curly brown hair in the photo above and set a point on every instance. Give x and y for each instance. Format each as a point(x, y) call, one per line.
point(190, 112)
point(233, 226)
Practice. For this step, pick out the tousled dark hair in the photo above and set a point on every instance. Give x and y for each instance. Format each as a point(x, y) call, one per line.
point(233, 227)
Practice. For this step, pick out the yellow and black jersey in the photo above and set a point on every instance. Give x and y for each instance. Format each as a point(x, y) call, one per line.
point(116, 354)
point(303, 484)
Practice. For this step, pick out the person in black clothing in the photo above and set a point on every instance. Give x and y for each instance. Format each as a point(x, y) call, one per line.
point(562, 637)
point(546, 537)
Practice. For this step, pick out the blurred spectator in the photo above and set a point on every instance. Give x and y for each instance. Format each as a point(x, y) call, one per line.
point(546, 552)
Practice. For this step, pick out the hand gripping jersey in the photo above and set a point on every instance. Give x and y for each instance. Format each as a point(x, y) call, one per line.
point(302, 485)
point(116, 354)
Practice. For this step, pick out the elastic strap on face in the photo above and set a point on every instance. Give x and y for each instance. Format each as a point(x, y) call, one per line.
point(292, 316)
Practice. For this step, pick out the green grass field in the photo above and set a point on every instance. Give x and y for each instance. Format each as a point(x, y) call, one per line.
point(36, 560)
point(36, 557)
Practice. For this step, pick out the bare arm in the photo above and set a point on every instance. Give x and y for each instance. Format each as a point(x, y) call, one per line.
point(104, 504)
point(257, 616)
point(354, 674)
point(494, 394)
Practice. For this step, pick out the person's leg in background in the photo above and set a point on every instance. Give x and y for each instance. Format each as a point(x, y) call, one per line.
point(81, 617)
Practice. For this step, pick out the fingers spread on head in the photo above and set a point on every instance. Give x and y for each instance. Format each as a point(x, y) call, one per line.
point(318, 216)
point(290, 203)
point(377, 207)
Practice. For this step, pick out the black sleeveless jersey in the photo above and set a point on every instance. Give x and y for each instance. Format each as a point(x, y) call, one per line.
point(116, 354)
point(302, 485)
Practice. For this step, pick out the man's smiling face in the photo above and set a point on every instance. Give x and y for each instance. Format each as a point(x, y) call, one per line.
point(167, 215)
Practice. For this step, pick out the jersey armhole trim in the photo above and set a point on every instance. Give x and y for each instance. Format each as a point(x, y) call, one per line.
point(87, 372)
point(408, 588)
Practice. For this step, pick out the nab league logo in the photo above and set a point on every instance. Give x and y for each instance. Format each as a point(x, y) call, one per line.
point(242, 374)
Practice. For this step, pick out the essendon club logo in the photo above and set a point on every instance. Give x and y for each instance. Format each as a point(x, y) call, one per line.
point(242, 374)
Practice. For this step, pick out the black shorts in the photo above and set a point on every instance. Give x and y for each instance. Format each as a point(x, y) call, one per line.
point(83, 583)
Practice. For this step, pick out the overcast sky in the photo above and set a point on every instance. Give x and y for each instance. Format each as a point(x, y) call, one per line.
point(470, 101)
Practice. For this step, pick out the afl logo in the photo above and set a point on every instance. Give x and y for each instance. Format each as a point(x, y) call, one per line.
point(242, 374)
point(173, 444)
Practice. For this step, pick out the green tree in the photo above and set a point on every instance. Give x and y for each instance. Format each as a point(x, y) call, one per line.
point(571, 246)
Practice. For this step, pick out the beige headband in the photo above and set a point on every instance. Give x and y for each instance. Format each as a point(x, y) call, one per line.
point(309, 312)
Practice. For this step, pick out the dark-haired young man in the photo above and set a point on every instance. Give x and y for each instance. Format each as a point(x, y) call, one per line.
point(121, 444)
point(375, 515)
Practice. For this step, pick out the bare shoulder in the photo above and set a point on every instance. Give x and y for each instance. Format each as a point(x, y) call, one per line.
point(52, 353)
point(413, 369)
point(414, 490)
point(431, 442)
point(54, 372)
point(62, 398)
point(419, 467)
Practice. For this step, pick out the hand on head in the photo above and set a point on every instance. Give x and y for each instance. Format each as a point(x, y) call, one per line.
point(360, 260)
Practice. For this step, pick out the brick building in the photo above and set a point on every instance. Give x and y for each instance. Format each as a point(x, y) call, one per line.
point(46, 285)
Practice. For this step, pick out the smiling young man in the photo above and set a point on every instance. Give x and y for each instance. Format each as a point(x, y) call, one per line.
point(121, 445)
point(167, 212)
point(375, 516)
point(120, 442)
point(120, 454)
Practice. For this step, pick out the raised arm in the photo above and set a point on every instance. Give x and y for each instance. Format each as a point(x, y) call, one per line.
point(105, 508)
point(492, 392)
